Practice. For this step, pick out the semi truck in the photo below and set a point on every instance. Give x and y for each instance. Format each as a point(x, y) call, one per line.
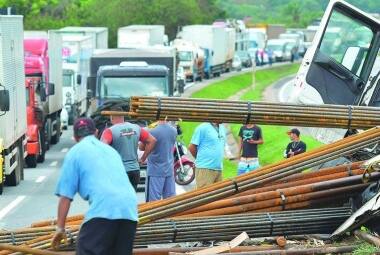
point(212, 38)
point(99, 34)
point(13, 124)
point(342, 65)
point(43, 70)
point(107, 73)
point(76, 53)
point(191, 58)
point(140, 35)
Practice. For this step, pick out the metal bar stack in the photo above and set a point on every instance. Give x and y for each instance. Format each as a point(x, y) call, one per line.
point(199, 110)
point(224, 228)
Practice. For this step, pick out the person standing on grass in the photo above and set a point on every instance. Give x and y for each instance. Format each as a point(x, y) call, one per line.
point(207, 147)
point(250, 137)
point(160, 165)
point(96, 171)
point(124, 138)
point(296, 146)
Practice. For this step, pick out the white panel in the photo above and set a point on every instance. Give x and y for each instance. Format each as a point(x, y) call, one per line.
point(13, 123)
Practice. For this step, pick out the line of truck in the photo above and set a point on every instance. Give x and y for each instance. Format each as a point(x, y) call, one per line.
point(70, 72)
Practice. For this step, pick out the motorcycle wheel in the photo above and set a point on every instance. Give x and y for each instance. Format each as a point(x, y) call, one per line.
point(186, 176)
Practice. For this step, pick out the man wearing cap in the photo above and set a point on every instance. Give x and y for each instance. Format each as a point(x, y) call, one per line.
point(124, 137)
point(96, 171)
point(296, 146)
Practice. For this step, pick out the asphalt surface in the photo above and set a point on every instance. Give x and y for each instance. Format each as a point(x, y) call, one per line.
point(33, 199)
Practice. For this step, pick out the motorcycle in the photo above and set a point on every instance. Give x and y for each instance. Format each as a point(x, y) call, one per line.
point(184, 168)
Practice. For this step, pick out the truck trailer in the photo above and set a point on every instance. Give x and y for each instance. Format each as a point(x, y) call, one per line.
point(13, 124)
point(140, 36)
point(212, 38)
point(76, 54)
point(99, 34)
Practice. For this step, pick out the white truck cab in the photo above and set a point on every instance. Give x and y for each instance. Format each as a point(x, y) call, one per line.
point(342, 64)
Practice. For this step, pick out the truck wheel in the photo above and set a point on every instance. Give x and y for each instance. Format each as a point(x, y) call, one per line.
point(42, 143)
point(15, 177)
point(31, 161)
point(207, 75)
point(57, 127)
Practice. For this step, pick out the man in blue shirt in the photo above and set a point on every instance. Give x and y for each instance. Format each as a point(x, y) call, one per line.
point(207, 147)
point(95, 171)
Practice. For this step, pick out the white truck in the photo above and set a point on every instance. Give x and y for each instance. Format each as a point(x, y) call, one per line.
point(140, 36)
point(76, 53)
point(45, 64)
point(191, 59)
point(99, 34)
point(342, 65)
point(212, 38)
point(230, 49)
point(13, 123)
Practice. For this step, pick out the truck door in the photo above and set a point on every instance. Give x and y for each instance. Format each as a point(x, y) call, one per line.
point(338, 65)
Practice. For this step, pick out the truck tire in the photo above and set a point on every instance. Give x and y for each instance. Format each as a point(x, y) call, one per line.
point(42, 142)
point(15, 177)
point(207, 75)
point(57, 128)
point(31, 161)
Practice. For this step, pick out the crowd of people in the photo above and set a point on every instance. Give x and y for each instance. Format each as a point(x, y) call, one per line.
point(106, 173)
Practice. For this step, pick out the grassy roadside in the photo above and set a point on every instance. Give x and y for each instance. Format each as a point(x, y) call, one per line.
point(275, 137)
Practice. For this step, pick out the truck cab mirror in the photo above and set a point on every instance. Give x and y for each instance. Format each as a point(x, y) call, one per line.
point(51, 89)
point(4, 100)
point(89, 94)
point(79, 79)
point(42, 93)
point(181, 86)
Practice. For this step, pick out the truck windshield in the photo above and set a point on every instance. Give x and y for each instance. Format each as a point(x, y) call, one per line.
point(125, 87)
point(67, 80)
point(184, 55)
point(342, 35)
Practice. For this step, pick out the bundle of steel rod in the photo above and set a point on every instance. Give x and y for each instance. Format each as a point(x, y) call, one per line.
point(189, 109)
point(282, 198)
point(225, 228)
point(253, 250)
point(331, 173)
point(165, 208)
point(285, 192)
point(257, 178)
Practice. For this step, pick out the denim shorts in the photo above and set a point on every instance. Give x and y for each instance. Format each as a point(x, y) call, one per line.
point(246, 166)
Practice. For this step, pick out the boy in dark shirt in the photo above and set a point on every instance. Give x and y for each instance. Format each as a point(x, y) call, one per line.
point(296, 146)
point(250, 137)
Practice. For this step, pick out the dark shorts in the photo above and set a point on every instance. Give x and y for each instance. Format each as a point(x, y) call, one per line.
point(101, 236)
point(134, 178)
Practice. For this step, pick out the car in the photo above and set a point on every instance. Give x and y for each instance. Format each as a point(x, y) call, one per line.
point(245, 58)
point(236, 63)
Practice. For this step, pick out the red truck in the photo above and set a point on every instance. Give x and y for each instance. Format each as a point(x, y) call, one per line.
point(43, 81)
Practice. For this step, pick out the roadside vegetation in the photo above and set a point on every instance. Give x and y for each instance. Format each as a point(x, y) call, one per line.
point(275, 137)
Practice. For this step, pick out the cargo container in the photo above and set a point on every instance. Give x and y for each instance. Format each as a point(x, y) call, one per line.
point(99, 34)
point(140, 36)
point(76, 54)
point(13, 124)
point(212, 38)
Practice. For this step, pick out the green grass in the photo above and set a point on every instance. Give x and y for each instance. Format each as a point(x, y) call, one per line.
point(264, 78)
point(275, 137)
point(366, 249)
